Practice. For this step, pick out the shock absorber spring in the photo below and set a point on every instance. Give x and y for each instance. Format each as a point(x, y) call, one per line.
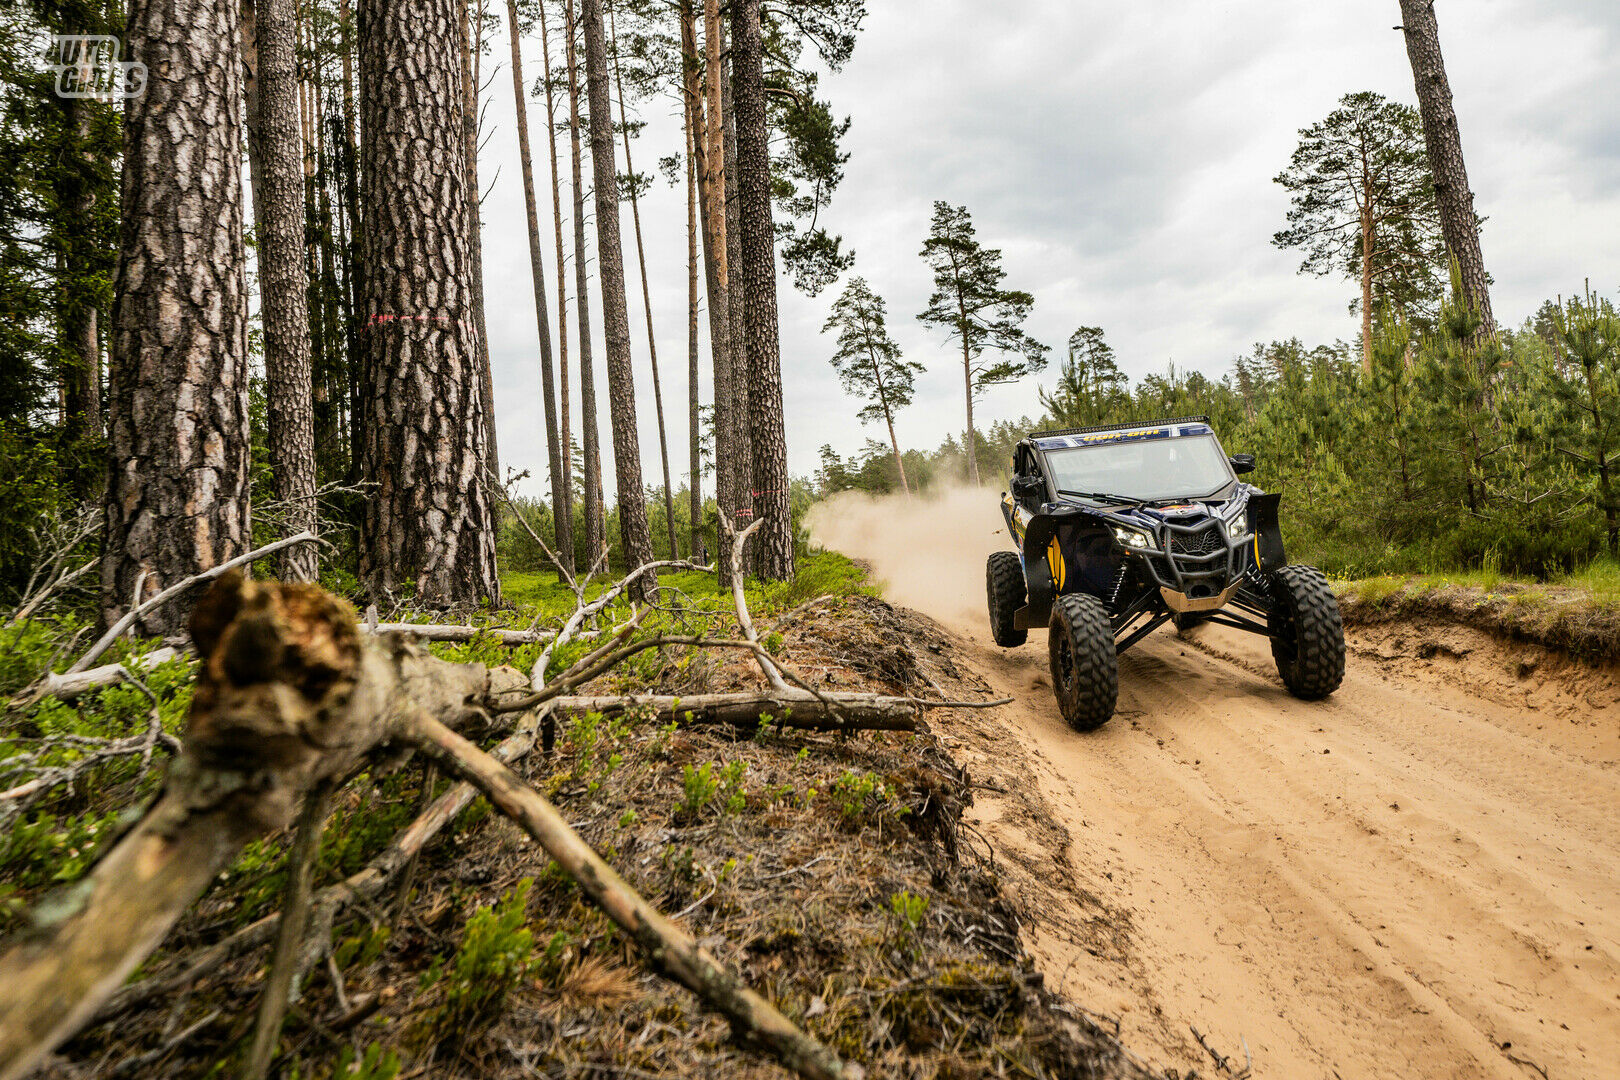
point(1120, 575)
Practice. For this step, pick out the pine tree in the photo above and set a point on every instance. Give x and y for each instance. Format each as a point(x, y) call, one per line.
point(1363, 205)
point(1590, 383)
point(565, 508)
point(595, 515)
point(1090, 386)
point(969, 303)
point(560, 513)
point(632, 499)
point(632, 188)
point(177, 489)
point(869, 363)
point(1443, 142)
point(756, 242)
point(430, 519)
point(274, 149)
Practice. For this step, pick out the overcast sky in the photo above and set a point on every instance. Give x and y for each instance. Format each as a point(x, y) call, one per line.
point(1121, 156)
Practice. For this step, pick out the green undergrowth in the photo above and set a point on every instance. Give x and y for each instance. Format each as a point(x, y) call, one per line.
point(55, 839)
point(1578, 613)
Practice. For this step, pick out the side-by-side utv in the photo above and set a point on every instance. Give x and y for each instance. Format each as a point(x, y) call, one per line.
point(1125, 527)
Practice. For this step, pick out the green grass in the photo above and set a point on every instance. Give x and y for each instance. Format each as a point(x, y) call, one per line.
point(1599, 581)
point(819, 573)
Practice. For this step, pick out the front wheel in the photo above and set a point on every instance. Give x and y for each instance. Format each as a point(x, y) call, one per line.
point(1085, 667)
point(1004, 588)
point(1307, 633)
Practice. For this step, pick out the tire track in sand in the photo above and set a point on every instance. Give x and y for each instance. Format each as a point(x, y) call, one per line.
point(1406, 880)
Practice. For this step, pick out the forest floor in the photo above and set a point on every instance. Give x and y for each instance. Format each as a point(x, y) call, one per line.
point(1419, 877)
point(834, 872)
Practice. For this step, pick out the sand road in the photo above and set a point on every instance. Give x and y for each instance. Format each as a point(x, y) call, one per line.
point(1419, 877)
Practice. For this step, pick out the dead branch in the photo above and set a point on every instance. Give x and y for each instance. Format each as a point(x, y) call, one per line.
point(137, 610)
point(442, 632)
point(669, 949)
point(18, 799)
point(278, 984)
point(585, 610)
point(70, 685)
point(362, 886)
point(48, 577)
point(740, 600)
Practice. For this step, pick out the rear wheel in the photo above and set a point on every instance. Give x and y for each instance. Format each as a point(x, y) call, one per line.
point(1085, 668)
point(1307, 634)
point(1004, 588)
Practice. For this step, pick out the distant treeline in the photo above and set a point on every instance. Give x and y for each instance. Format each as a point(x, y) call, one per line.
point(1446, 455)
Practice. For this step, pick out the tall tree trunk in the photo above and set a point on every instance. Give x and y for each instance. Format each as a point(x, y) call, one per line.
point(774, 553)
point(562, 500)
point(472, 49)
point(595, 525)
point(178, 455)
point(430, 518)
point(888, 419)
point(741, 473)
point(971, 441)
point(354, 272)
point(537, 270)
point(76, 198)
point(708, 150)
point(278, 214)
point(615, 310)
point(646, 295)
point(1366, 286)
point(693, 418)
point(1458, 223)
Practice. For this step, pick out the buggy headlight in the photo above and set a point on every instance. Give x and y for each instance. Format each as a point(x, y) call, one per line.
point(1134, 538)
point(1237, 528)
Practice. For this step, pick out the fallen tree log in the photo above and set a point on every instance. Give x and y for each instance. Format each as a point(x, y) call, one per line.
point(71, 684)
point(842, 711)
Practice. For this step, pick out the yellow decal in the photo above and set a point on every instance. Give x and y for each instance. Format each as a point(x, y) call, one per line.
point(1054, 559)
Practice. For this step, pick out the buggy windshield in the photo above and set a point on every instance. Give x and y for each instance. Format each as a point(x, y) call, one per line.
point(1189, 467)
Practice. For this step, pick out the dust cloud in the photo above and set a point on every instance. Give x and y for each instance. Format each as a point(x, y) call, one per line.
point(927, 550)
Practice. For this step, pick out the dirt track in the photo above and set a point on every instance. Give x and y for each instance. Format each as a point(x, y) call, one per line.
point(1417, 878)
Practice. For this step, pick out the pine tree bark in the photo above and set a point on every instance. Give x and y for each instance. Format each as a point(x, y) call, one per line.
point(430, 518)
point(694, 489)
point(560, 512)
point(1443, 140)
point(615, 310)
point(270, 49)
point(563, 499)
point(177, 489)
point(595, 518)
point(774, 545)
point(740, 477)
point(471, 52)
point(646, 296)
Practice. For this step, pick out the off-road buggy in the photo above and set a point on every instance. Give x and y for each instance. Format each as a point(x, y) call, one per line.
point(1123, 528)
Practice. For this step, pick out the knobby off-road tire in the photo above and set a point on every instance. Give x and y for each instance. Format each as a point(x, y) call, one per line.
point(1085, 668)
point(1004, 588)
point(1307, 634)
